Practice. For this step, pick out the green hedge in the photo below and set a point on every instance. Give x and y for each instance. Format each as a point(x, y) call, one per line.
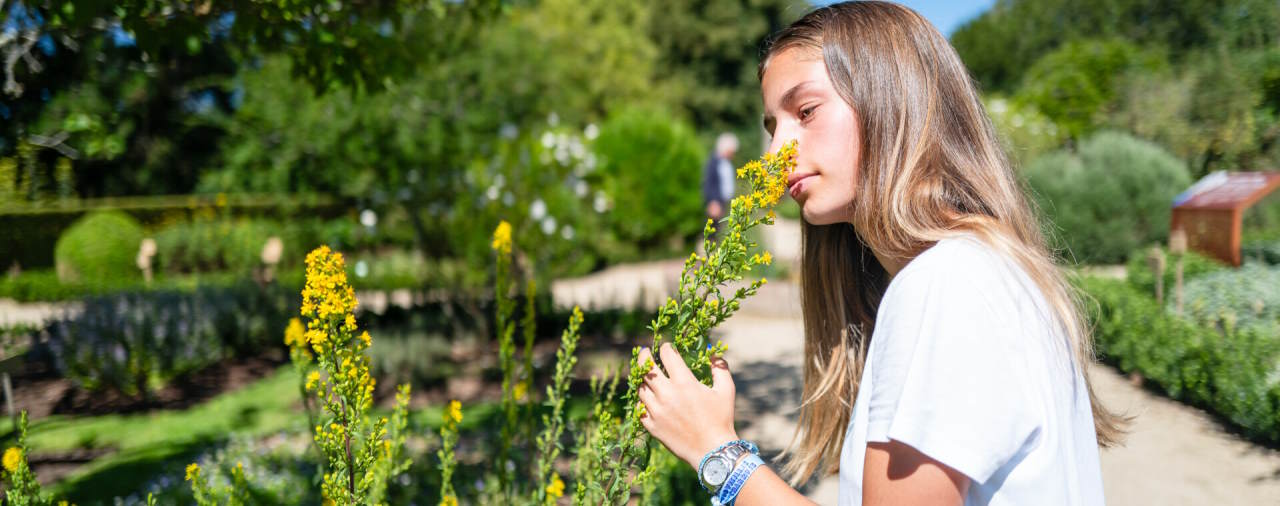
point(29, 231)
point(1235, 373)
point(101, 246)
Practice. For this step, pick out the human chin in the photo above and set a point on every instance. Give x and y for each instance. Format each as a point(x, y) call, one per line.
point(818, 211)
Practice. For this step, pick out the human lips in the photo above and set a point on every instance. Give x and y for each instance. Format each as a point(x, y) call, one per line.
point(794, 182)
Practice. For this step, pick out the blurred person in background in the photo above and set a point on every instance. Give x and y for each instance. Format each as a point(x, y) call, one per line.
point(718, 177)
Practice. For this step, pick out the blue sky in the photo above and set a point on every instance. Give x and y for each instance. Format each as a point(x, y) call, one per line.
point(947, 15)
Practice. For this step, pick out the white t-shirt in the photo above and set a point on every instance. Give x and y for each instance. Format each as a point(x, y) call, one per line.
point(967, 366)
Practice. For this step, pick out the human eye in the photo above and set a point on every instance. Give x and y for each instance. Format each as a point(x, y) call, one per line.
point(806, 112)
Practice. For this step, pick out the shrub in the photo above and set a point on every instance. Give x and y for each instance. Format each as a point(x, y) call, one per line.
point(1139, 274)
point(135, 342)
point(1110, 197)
point(1244, 298)
point(653, 164)
point(1232, 372)
point(100, 246)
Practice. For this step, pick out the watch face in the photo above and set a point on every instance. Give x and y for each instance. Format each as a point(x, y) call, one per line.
point(717, 471)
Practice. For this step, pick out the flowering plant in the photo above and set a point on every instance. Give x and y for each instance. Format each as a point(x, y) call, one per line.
point(360, 454)
point(701, 303)
point(21, 487)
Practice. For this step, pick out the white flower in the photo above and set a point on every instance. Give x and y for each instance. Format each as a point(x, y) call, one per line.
point(601, 203)
point(548, 140)
point(591, 132)
point(368, 218)
point(567, 232)
point(538, 209)
point(580, 188)
point(492, 193)
point(549, 225)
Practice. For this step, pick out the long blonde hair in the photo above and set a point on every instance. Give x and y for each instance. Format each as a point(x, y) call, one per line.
point(931, 167)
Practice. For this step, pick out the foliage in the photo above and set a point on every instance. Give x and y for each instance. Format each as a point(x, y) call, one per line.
point(1140, 276)
point(1073, 84)
point(99, 246)
point(332, 42)
point(708, 53)
point(651, 163)
point(548, 186)
point(1024, 131)
point(1233, 128)
point(1232, 372)
point(1247, 298)
point(21, 487)
point(1109, 198)
point(135, 342)
point(1001, 44)
point(215, 245)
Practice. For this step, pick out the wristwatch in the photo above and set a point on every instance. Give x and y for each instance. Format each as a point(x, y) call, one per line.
point(717, 465)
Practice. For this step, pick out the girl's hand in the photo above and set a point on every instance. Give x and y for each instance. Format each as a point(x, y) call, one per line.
point(688, 417)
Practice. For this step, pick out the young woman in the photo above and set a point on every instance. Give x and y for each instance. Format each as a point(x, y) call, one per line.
point(945, 357)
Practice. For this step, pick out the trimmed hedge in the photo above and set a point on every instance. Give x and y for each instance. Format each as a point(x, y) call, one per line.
point(101, 246)
point(1235, 373)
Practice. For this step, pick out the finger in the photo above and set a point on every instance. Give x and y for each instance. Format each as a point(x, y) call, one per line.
point(655, 373)
point(648, 396)
point(676, 369)
point(721, 379)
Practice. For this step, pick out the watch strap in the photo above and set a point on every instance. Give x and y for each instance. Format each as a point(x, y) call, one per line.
point(729, 492)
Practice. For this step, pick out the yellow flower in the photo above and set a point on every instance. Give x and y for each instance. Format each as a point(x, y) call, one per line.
point(12, 458)
point(364, 336)
point(766, 258)
point(293, 334)
point(312, 379)
point(453, 415)
point(350, 323)
point(193, 471)
point(448, 500)
point(502, 238)
point(519, 390)
point(556, 488)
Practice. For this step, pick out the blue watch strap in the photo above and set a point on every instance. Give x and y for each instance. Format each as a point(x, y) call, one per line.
point(733, 485)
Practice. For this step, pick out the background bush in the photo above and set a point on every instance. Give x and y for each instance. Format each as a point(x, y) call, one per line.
point(1243, 298)
point(99, 246)
point(1108, 198)
point(134, 342)
point(1140, 276)
point(653, 165)
point(1235, 373)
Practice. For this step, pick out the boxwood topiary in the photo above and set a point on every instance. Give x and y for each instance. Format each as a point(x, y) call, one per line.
point(102, 245)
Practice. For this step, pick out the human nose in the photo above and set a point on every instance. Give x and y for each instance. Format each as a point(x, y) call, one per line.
point(780, 136)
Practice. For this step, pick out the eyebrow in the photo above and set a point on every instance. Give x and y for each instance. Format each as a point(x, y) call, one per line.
point(787, 99)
